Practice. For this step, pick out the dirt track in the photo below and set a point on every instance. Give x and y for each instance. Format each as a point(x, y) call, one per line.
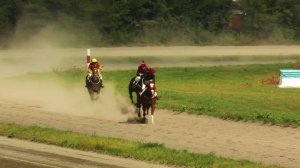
point(268, 144)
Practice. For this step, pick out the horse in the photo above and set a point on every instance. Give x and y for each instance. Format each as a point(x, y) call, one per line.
point(147, 102)
point(93, 85)
point(137, 88)
point(143, 99)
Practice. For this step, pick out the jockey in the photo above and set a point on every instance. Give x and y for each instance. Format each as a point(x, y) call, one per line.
point(95, 64)
point(142, 69)
point(150, 83)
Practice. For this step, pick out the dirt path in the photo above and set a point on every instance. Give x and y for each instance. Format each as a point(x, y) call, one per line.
point(262, 143)
point(155, 51)
point(16, 153)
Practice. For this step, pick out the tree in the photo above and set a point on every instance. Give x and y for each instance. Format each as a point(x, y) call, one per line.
point(9, 14)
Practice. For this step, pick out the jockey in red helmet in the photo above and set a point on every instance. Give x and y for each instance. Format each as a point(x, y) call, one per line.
point(142, 69)
point(95, 65)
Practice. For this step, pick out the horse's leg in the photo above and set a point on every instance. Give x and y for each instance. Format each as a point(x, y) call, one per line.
point(91, 94)
point(130, 95)
point(138, 99)
point(138, 104)
point(152, 110)
point(144, 111)
point(152, 119)
point(98, 89)
point(138, 111)
point(94, 95)
point(130, 90)
point(86, 81)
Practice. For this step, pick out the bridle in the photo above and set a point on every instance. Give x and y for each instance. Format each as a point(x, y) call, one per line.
point(96, 76)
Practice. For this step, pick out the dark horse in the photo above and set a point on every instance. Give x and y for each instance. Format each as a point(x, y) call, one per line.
point(93, 85)
point(137, 88)
point(143, 100)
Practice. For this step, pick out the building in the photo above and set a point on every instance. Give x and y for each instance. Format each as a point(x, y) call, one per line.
point(289, 78)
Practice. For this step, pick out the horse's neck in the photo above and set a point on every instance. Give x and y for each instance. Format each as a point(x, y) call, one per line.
point(95, 77)
point(147, 95)
point(141, 81)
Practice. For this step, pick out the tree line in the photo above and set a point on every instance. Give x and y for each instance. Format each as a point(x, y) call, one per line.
point(152, 22)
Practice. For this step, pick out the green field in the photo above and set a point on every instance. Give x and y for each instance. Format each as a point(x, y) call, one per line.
point(153, 152)
point(230, 92)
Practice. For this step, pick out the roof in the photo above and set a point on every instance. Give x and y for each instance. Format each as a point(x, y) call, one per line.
point(290, 73)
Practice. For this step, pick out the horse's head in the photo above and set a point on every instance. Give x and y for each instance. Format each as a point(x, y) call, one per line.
point(95, 75)
point(149, 93)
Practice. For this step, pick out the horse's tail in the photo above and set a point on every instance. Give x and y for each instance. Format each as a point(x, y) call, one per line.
point(130, 89)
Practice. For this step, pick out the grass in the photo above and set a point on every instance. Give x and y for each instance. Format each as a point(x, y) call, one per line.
point(153, 152)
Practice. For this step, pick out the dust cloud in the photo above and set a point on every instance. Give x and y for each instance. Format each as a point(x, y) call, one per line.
point(44, 51)
point(41, 45)
point(39, 58)
point(38, 31)
point(52, 96)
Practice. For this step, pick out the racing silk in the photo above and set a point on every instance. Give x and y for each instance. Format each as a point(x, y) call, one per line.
point(94, 65)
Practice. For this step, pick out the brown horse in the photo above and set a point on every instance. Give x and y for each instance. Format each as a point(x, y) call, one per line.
point(147, 102)
point(143, 99)
point(94, 85)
